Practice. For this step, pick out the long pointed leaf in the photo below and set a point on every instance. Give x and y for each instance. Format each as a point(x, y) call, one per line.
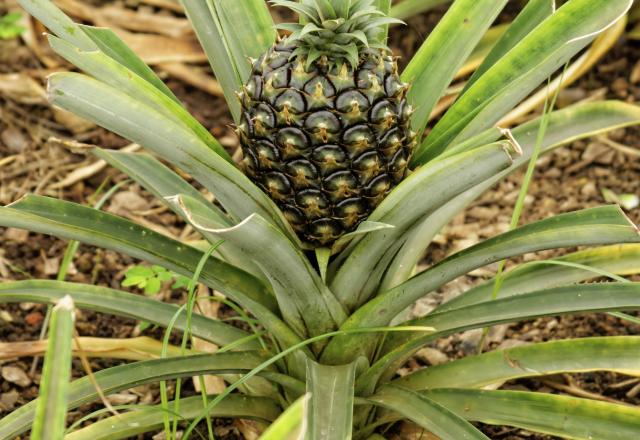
point(618, 259)
point(158, 179)
point(417, 196)
point(610, 353)
point(409, 8)
point(427, 413)
point(567, 417)
point(601, 225)
point(534, 13)
point(105, 300)
point(115, 379)
point(253, 38)
point(290, 424)
point(301, 294)
point(146, 419)
point(443, 53)
point(143, 124)
point(113, 46)
point(565, 125)
point(76, 222)
point(209, 32)
point(111, 72)
point(561, 300)
point(58, 22)
point(521, 70)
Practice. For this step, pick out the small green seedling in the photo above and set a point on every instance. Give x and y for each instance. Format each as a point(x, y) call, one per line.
point(9, 27)
point(151, 278)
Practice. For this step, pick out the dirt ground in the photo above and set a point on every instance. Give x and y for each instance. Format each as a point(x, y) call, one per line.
point(567, 179)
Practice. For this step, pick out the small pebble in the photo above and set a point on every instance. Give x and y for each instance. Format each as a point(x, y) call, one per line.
point(15, 375)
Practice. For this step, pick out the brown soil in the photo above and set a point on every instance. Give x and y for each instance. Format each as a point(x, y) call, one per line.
point(567, 179)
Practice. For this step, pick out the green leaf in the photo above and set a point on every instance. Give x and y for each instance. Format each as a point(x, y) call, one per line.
point(610, 353)
point(305, 301)
point(227, 44)
point(322, 258)
point(112, 45)
point(427, 413)
point(140, 271)
point(385, 7)
point(621, 259)
point(51, 410)
point(569, 124)
point(415, 197)
point(115, 302)
point(250, 40)
point(119, 76)
point(147, 126)
point(560, 300)
point(72, 221)
point(534, 13)
point(587, 227)
point(115, 379)
point(289, 425)
point(563, 416)
point(409, 8)
point(58, 22)
point(156, 178)
point(520, 71)
point(9, 27)
point(152, 286)
point(330, 411)
point(165, 276)
point(440, 57)
point(149, 418)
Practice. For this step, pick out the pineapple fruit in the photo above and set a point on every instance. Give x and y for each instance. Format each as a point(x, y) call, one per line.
point(326, 129)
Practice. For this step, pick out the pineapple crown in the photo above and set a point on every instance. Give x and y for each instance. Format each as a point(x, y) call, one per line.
point(338, 30)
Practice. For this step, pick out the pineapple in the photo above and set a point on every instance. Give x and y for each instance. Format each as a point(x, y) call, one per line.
point(325, 128)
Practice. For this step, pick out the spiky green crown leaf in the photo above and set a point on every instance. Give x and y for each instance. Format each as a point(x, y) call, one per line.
point(339, 30)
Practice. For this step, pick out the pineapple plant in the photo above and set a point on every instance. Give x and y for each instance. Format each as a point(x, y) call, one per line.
point(317, 234)
point(325, 121)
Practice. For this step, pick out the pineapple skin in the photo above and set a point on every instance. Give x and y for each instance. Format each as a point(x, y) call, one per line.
point(326, 143)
